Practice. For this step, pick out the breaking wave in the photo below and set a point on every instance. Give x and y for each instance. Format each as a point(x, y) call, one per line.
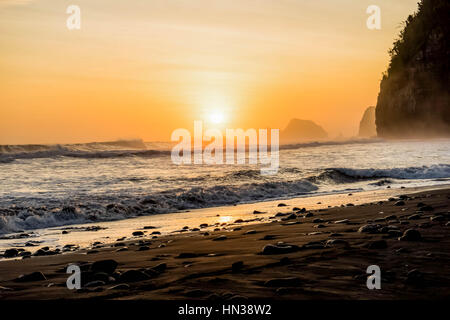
point(94, 150)
point(437, 171)
point(15, 219)
point(212, 192)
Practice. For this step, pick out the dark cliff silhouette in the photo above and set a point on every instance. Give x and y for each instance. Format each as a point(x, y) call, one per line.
point(414, 92)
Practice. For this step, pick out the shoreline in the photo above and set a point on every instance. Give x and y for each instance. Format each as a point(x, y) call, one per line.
point(327, 259)
point(84, 234)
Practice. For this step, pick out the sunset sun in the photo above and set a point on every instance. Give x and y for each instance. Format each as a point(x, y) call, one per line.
point(217, 117)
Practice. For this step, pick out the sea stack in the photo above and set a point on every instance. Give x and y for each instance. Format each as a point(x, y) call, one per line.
point(302, 130)
point(367, 127)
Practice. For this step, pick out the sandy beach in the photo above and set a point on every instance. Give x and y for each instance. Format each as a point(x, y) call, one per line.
point(276, 250)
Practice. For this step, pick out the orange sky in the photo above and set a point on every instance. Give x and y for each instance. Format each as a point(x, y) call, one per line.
point(140, 69)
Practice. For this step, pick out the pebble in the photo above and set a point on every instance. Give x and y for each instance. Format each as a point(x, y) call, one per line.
point(284, 282)
point(421, 204)
point(5, 289)
point(119, 244)
point(279, 249)
point(411, 235)
point(96, 283)
point(290, 217)
point(106, 266)
point(281, 214)
point(369, 228)
point(336, 242)
point(160, 267)
point(335, 235)
point(185, 255)
point(342, 221)
point(34, 276)
point(10, 253)
point(313, 245)
point(220, 238)
point(437, 218)
point(44, 252)
point(122, 286)
point(268, 237)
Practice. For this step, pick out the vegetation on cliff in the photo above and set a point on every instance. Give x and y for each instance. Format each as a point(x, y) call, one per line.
point(414, 92)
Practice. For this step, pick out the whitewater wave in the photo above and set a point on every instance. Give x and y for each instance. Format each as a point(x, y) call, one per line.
point(329, 143)
point(52, 213)
point(437, 171)
point(121, 148)
point(94, 150)
point(15, 219)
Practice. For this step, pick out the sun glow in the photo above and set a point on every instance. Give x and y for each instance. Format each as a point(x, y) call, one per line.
point(217, 117)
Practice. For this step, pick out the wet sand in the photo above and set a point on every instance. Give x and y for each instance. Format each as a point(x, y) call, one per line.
point(315, 253)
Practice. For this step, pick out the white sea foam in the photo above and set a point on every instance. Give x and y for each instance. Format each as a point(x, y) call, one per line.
point(39, 192)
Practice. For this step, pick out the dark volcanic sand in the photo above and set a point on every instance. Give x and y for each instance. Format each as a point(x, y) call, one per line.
point(410, 269)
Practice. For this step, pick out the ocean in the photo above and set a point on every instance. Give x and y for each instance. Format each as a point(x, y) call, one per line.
point(46, 186)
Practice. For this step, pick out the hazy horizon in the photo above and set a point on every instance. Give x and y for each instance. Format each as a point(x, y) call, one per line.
point(142, 69)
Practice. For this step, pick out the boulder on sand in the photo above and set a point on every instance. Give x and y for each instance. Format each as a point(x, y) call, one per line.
point(411, 235)
point(106, 266)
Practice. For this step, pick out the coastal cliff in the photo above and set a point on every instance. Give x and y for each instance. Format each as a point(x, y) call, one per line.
point(414, 99)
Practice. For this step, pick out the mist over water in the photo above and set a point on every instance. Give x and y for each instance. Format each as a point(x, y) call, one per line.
point(44, 186)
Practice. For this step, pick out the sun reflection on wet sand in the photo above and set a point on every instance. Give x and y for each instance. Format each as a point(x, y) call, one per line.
point(225, 219)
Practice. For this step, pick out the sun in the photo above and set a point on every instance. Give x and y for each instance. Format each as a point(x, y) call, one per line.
point(217, 117)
